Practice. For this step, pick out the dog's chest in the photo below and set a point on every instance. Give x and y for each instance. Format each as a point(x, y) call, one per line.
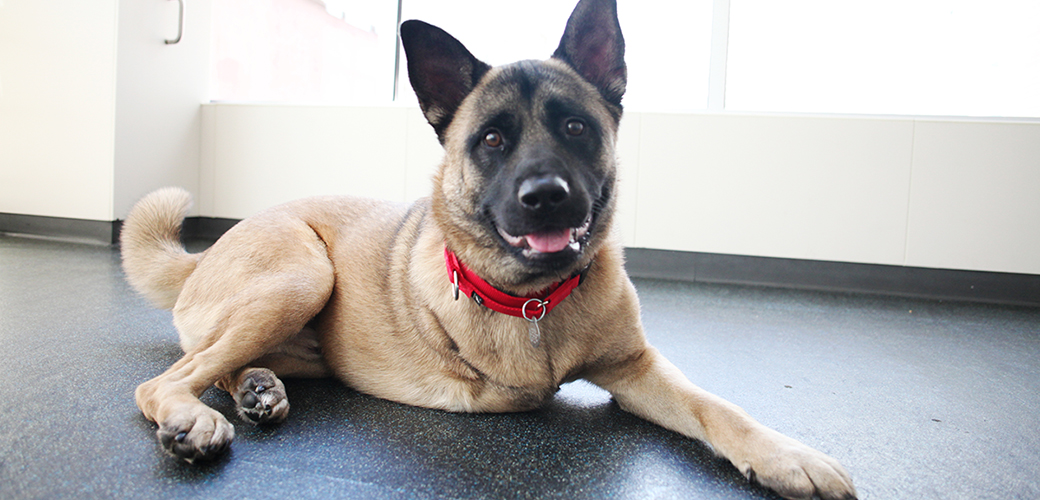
point(505, 368)
point(506, 354)
point(458, 362)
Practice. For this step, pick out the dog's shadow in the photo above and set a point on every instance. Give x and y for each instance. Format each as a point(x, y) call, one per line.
point(579, 445)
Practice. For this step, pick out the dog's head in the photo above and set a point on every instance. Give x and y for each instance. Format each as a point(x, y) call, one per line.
point(526, 191)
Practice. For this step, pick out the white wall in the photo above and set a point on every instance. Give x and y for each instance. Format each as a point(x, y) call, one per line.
point(900, 191)
point(975, 196)
point(57, 95)
point(797, 187)
point(257, 155)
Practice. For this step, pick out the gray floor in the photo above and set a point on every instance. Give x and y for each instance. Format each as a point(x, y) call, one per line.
point(919, 399)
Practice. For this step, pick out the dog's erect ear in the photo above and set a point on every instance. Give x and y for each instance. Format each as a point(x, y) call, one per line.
point(592, 44)
point(441, 70)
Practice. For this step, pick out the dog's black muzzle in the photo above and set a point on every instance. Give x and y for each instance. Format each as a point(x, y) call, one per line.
point(543, 211)
point(542, 195)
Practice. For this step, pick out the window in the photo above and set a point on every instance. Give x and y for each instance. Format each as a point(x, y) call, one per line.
point(667, 42)
point(303, 51)
point(343, 51)
point(917, 57)
point(908, 57)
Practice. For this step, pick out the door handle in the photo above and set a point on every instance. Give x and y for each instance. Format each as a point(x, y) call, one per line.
point(180, 24)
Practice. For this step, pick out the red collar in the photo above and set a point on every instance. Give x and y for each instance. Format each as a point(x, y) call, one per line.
point(532, 308)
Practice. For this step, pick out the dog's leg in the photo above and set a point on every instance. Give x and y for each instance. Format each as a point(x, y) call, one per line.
point(187, 427)
point(262, 298)
point(652, 388)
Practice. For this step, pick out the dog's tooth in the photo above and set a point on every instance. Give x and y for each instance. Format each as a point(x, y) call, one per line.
point(516, 241)
point(580, 232)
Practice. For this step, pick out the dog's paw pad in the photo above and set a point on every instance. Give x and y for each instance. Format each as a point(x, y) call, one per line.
point(261, 397)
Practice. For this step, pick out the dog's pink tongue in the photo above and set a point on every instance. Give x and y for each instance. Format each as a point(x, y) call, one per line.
point(549, 242)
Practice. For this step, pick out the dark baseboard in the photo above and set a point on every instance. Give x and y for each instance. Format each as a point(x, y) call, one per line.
point(206, 228)
point(82, 230)
point(943, 284)
point(101, 232)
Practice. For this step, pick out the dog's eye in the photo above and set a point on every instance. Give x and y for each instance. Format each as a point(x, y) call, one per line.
point(493, 139)
point(575, 127)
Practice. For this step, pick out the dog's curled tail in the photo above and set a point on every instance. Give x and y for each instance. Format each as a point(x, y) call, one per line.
point(155, 261)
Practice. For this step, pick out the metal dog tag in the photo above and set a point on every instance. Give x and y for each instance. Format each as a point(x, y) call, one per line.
point(534, 334)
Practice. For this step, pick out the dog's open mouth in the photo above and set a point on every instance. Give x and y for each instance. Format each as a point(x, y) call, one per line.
point(551, 241)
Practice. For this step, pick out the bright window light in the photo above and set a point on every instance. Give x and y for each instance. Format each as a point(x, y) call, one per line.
point(910, 57)
point(343, 51)
point(667, 42)
point(303, 51)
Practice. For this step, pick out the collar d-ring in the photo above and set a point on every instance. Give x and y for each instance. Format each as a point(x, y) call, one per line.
point(539, 304)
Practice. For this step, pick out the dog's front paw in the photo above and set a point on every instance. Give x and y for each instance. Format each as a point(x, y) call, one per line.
point(197, 435)
point(796, 471)
point(260, 397)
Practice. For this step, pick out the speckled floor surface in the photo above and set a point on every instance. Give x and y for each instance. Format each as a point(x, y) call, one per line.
point(919, 399)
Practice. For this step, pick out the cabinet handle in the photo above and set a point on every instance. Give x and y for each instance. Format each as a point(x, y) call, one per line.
point(180, 24)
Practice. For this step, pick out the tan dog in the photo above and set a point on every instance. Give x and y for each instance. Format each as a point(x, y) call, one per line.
point(504, 284)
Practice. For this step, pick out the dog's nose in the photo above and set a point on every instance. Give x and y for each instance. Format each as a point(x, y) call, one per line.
point(543, 193)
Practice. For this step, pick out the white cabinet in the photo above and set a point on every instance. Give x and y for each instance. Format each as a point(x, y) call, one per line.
point(95, 109)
